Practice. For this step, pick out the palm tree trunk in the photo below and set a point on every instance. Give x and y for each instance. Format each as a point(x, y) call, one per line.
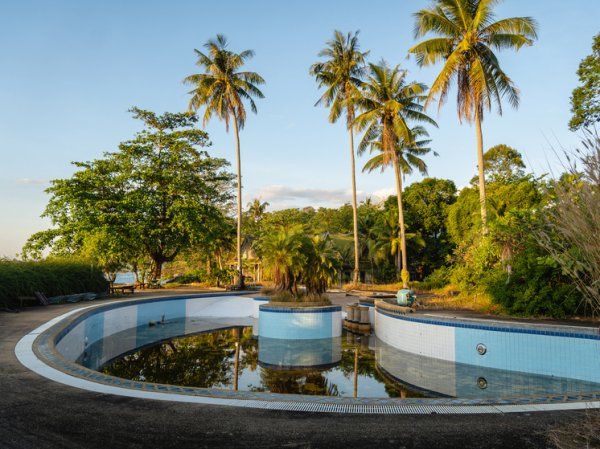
point(356, 274)
point(481, 169)
point(398, 175)
point(240, 280)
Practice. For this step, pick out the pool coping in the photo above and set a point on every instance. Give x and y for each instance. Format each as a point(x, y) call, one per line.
point(37, 352)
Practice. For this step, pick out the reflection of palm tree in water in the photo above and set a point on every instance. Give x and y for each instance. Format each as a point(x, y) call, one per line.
point(301, 381)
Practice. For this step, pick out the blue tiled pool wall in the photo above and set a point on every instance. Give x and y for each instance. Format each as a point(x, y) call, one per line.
point(142, 320)
point(287, 354)
point(572, 356)
point(446, 378)
point(300, 324)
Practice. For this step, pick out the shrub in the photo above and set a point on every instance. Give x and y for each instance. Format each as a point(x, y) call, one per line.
point(52, 277)
point(536, 287)
point(438, 279)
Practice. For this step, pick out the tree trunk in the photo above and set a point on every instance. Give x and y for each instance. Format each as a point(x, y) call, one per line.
point(356, 273)
point(398, 174)
point(158, 263)
point(481, 169)
point(240, 280)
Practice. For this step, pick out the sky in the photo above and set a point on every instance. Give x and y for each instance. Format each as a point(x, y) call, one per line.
point(72, 69)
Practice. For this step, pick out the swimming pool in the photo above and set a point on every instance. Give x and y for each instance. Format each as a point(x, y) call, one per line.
point(408, 357)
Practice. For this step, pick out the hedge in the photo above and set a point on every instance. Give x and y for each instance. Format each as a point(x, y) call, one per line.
point(52, 277)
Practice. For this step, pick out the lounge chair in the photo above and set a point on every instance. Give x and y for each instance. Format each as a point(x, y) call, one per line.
point(37, 296)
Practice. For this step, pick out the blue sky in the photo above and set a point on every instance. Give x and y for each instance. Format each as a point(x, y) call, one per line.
point(71, 69)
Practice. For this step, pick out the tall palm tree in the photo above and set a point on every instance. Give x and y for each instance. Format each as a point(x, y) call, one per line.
point(221, 90)
point(340, 74)
point(407, 157)
point(467, 32)
point(387, 104)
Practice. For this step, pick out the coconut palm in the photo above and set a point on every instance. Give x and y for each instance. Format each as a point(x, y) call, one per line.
point(387, 104)
point(467, 32)
point(408, 157)
point(340, 74)
point(221, 90)
point(257, 209)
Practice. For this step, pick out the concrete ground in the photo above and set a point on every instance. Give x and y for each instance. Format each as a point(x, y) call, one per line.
point(38, 413)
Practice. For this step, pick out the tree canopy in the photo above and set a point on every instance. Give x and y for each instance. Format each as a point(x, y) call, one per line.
point(156, 195)
point(585, 100)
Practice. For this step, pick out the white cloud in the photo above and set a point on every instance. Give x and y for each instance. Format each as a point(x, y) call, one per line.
point(281, 197)
point(32, 182)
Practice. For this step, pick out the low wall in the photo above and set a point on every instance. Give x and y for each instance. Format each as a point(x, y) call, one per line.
point(303, 323)
point(548, 350)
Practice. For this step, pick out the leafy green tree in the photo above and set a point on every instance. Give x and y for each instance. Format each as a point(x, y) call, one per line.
point(322, 265)
point(427, 203)
point(221, 90)
point(467, 33)
point(155, 196)
point(502, 164)
point(387, 104)
point(341, 76)
point(585, 100)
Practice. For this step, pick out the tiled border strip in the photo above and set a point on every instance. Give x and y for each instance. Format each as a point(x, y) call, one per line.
point(496, 328)
point(34, 352)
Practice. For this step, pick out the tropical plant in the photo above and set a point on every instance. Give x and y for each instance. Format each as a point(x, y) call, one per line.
point(387, 104)
point(341, 75)
point(257, 209)
point(322, 265)
point(467, 33)
point(283, 251)
point(221, 90)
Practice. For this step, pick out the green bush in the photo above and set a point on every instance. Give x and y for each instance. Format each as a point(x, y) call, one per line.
point(536, 287)
point(52, 277)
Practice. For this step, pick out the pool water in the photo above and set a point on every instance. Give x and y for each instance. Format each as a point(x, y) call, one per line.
point(350, 366)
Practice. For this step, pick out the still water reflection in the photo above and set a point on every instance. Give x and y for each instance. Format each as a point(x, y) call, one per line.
point(350, 366)
point(235, 359)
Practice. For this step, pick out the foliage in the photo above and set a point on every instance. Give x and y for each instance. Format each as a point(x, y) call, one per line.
point(466, 35)
point(426, 204)
point(293, 257)
point(155, 196)
point(585, 100)
point(572, 222)
point(502, 164)
point(53, 277)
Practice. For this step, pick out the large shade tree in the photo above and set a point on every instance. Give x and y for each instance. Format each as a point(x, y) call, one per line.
point(388, 104)
point(158, 194)
point(221, 89)
point(467, 33)
point(340, 74)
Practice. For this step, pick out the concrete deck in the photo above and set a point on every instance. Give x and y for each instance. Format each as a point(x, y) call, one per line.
point(38, 413)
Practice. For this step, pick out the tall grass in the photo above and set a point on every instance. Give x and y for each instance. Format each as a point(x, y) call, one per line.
point(52, 277)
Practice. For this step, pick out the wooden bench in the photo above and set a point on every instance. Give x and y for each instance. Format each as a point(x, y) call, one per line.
point(122, 289)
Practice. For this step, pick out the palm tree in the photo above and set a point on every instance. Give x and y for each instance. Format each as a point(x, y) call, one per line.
point(341, 74)
point(221, 89)
point(407, 157)
point(257, 209)
point(387, 104)
point(467, 33)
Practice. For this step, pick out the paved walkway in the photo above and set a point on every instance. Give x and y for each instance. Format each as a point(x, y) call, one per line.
point(38, 413)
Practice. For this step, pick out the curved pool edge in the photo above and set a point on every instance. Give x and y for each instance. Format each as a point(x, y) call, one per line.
point(26, 353)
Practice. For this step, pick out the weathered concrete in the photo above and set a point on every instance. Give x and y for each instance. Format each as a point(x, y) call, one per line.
point(38, 413)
